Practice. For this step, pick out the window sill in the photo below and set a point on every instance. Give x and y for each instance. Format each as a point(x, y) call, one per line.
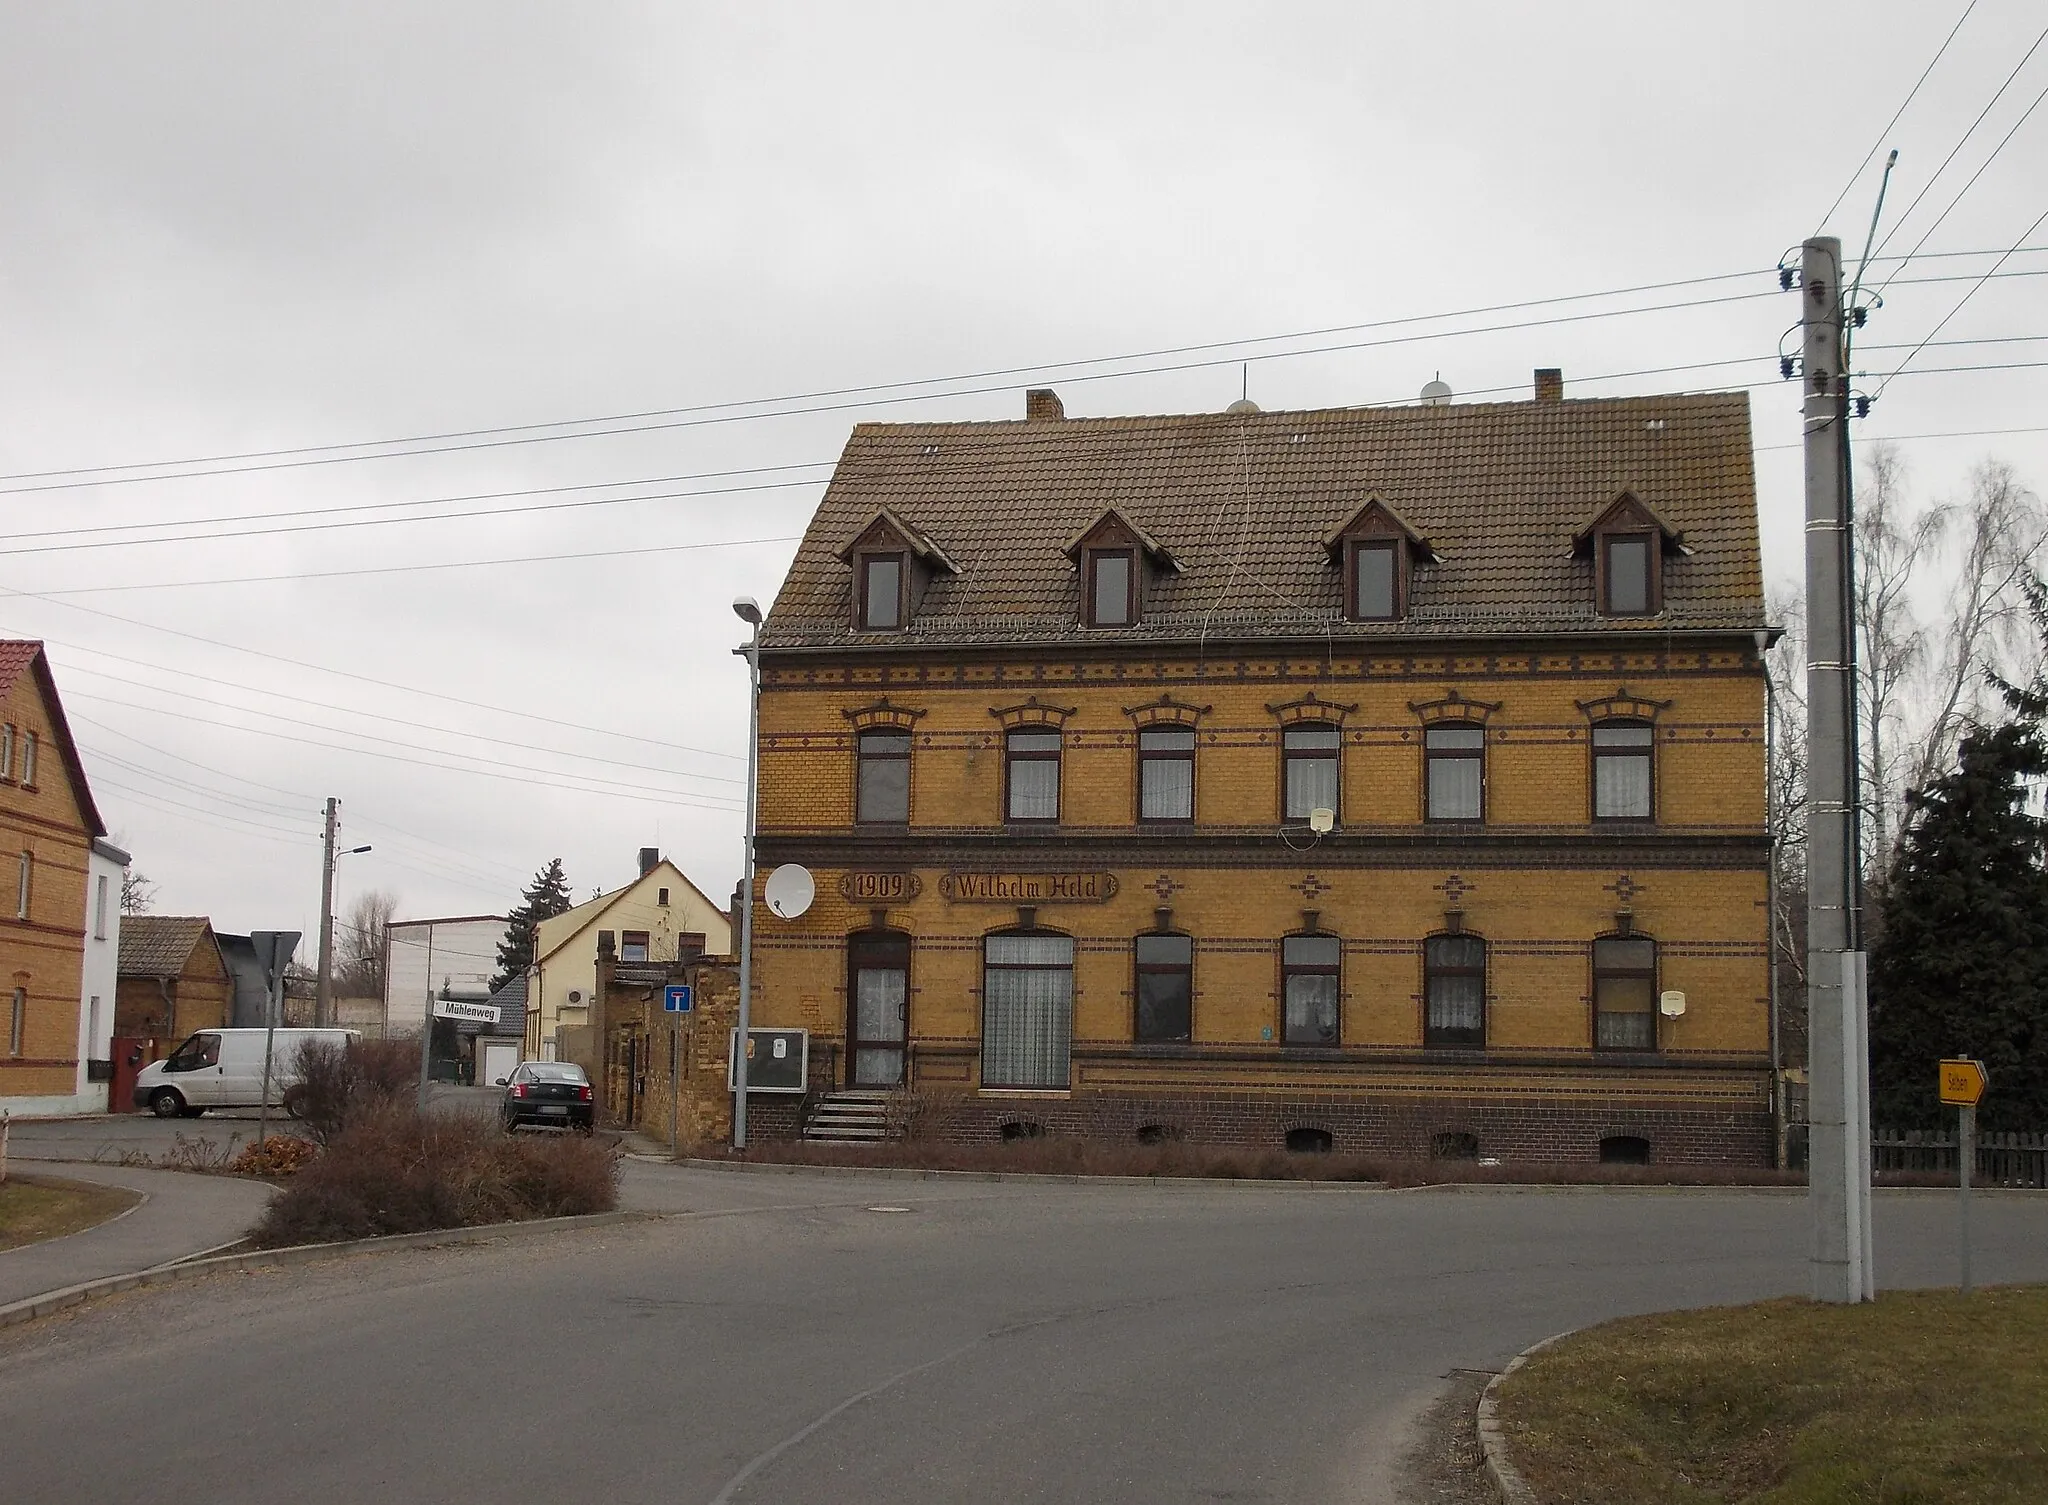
point(1026, 1094)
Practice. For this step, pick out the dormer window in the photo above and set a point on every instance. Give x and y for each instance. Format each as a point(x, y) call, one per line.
point(1375, 581)
point(881, 592)
point(1118, 560)
point(1109, 588)
point(1376, 548)
point(893, 565)
point(1625, 573)
point(1628, 541)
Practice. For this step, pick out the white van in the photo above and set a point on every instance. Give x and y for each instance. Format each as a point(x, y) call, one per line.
point(223, 1068)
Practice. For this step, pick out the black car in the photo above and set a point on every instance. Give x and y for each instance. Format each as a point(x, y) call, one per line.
point(550, 1094)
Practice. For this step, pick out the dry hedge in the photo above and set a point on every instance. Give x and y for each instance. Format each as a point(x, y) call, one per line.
point(393, 1170)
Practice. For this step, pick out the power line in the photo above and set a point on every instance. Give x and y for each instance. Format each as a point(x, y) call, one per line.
point(439, 696)
point(1966, 297)
point(414, 569)
point(1911, 94)
point(1972, 184)
point(836, 392)
point(1934, 177)
point(1910, 438)
point(310, 799)
point(439, 752)
point(395, 720)
point(683, 802)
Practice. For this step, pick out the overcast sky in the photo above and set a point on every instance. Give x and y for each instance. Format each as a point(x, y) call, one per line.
point(233, 228)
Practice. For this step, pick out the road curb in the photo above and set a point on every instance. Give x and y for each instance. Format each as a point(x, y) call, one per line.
point(1055, 1178)
point(1508, 1482)
point(193, 1268)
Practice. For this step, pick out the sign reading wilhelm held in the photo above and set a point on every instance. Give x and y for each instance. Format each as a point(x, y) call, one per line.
point(1028, 888)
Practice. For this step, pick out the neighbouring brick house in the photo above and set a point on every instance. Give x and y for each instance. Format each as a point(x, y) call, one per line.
point(1359, 777)
point(52, 848)
point(173, 979)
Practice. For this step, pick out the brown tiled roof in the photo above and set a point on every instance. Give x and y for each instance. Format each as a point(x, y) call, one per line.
point(20, 656)
point(158, 945)
point(1244, 501)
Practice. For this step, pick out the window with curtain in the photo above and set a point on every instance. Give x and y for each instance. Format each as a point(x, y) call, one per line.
point(1455, 761)
point(881, 592)
point(25, 878)
point(1027, 1009)
point(882, 796)
point(28, 758)
point(1625, 993)
point(1032, 775)
point(1166, 773)
point(1165, 988)
point(1308, 757)
point(1454, 987)
point(1622, 771)
point(632, 945)
point(1311, 984)
point(17, 1022)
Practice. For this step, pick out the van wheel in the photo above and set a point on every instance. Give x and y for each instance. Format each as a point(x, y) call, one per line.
point(295, 1102)
point(165, 1102)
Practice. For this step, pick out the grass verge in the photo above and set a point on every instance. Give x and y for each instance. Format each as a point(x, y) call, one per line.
point(1920, 1398)
point(35, 1208)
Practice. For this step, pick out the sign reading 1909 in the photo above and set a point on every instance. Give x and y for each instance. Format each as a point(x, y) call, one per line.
point(879, 888)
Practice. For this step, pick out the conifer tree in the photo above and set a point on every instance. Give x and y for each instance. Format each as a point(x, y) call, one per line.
point(545, 897)
point(1961, 966)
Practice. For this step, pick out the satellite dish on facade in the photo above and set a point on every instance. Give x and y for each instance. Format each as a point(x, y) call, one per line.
point(790, 891)
point(1322, 820)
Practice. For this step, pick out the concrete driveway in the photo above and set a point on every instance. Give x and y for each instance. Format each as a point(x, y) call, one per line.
point(814, 1338)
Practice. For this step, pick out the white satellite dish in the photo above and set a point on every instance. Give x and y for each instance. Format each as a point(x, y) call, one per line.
point(1436, 392)
point(790, 891)
point(1322, 820)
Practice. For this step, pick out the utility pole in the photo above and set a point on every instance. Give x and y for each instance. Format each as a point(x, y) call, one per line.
point(323, 1001)
point(1838, 1154)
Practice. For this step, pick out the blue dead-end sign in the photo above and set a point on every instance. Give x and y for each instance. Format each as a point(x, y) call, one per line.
point(677, 998)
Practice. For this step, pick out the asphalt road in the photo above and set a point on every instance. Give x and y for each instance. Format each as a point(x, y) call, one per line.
point(106, 1137)
point(791, 1340)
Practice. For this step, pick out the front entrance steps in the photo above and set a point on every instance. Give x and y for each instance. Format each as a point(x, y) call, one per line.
point(855, 1116)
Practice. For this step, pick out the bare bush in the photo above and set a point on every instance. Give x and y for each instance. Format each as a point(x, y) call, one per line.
point(336, 1084)
point(395, 1170)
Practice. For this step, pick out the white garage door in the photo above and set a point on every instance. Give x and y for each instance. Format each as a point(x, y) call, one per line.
point(500, 1056)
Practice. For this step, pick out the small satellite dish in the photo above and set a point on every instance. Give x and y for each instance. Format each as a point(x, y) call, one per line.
point(1671, 1005)
point(1436, 393)
point(790, 891)
point(1322, 820)
point(1242, 405)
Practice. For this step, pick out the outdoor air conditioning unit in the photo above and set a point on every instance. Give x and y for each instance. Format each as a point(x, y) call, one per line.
point(575, 998)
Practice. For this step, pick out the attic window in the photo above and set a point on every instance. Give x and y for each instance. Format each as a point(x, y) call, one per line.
point(1110, 597)
point(1375, 580)
point(1625, 574)
point(881, 592)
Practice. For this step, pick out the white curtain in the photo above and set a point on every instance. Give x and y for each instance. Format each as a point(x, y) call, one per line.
point(1621, 786)
point(1027, 1011)
point(1169, 789)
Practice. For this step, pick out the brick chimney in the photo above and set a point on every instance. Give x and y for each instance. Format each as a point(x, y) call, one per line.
point(650, 859)
point(1042, 405)
point(1549, 384)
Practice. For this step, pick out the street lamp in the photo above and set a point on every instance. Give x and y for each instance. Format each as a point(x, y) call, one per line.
point(748, 610)
point(323, 990)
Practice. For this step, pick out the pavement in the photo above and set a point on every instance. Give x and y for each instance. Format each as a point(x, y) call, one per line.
point(181, 1215)
point(849, 1338)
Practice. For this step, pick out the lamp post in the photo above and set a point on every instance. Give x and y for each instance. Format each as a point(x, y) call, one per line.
point(748, 610)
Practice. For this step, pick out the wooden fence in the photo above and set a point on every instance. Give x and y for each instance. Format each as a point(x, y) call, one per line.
point(2001, 1159)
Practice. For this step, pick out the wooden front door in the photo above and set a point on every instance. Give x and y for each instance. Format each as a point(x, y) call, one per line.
point(878, 1008)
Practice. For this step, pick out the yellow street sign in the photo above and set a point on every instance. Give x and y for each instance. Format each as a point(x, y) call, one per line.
point(1963, 1082)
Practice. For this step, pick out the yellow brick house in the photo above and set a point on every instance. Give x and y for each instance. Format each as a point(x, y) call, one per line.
point(1383, 778)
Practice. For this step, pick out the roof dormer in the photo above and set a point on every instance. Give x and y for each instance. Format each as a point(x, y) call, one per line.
point(1627, 541)
point(1377, 550)
point(893, 564)
point(1118, 561)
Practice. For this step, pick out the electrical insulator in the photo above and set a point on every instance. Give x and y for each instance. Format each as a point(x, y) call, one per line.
point(1785, 367)
point(1786, 277)
point(1858, 315)
point(1862, 406)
